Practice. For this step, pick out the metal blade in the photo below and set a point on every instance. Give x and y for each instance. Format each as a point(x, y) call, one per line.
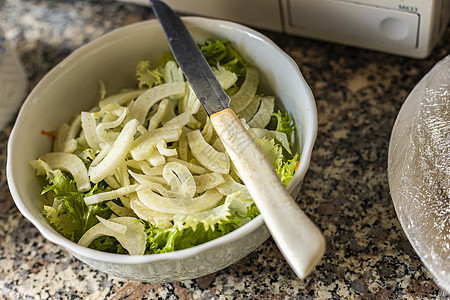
point(191, 60)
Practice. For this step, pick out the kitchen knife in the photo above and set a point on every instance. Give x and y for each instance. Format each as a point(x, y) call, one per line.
point(298, 238)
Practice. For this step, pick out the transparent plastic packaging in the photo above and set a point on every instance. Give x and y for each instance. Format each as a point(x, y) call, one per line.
point(13, 81)
point(419, 170)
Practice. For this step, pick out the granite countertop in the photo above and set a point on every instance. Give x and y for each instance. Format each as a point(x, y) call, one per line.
point(346, 192)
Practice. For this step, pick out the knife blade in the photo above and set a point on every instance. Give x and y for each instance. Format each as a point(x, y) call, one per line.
point(298, 238)
point(191, 60)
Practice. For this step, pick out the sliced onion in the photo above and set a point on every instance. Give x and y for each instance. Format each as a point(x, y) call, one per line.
point(111, 195)
point(180, 180)
point(207, 181)
point(71, 163)
point(244, 96)
point(117, 155)
point(161, 220)
point(230, 186)
point(176, 205)
point(206, 155)
point(133, 240)
point(140, 108)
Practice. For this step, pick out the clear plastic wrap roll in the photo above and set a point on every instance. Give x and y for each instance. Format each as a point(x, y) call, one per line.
point(419, 170)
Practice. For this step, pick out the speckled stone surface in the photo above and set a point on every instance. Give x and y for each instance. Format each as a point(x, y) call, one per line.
point(346, 192)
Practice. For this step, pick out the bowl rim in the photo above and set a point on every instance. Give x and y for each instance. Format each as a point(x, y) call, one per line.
point(233, 236)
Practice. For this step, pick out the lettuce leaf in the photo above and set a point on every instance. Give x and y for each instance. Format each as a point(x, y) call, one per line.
point(281, 123)
point(148, 77)
point(73, 207)
point(286, 169)
point(172, 239)
point(222, 53)
point(271, 150)
point(108, 244)
point(195, 229)
point(61, 222)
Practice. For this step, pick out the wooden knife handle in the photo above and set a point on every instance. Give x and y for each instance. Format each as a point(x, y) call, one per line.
point(298, 238)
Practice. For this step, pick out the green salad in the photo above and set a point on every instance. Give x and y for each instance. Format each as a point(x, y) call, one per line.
point(144, 172)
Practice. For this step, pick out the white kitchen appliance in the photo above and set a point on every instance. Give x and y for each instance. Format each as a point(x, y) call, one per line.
point(403, 27)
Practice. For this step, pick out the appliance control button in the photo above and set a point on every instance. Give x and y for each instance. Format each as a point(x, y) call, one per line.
point(394, 28)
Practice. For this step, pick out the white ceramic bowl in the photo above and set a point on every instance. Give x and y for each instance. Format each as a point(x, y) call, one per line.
point(73, 85)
